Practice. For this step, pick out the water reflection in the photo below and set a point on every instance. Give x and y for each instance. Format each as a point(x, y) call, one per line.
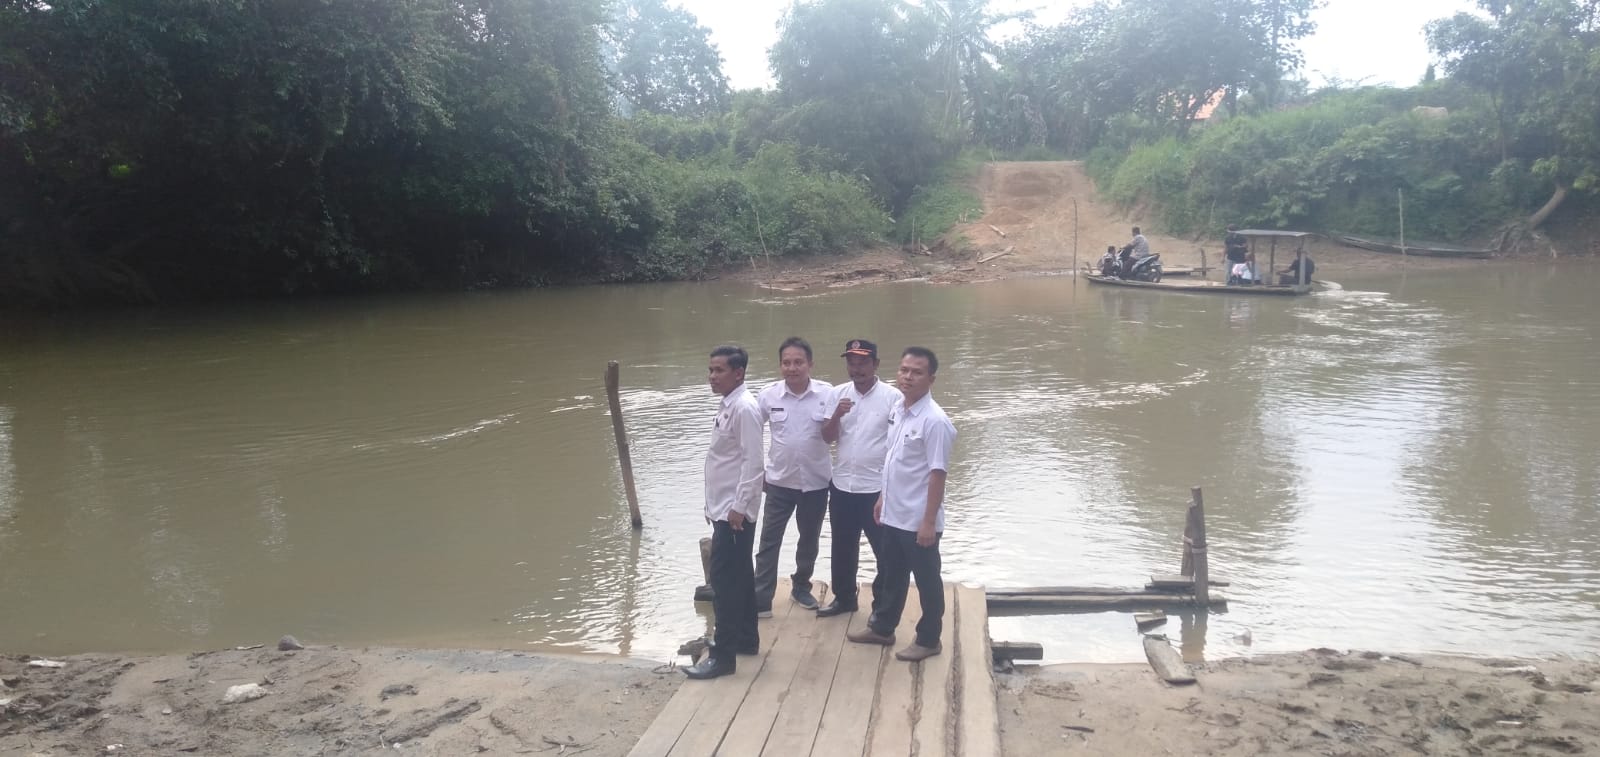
point(440, 470)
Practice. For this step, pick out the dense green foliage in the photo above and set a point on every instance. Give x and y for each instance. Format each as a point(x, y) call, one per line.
point(1337, 164)
point(214, 148)
point(948, 199)
point(1517, 126)
point(663, 61)
point(189, 148)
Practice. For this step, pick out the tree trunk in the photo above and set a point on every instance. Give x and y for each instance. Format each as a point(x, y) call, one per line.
point(1549, 207)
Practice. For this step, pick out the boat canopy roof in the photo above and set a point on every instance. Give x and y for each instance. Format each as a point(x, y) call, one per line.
point(1275, 233)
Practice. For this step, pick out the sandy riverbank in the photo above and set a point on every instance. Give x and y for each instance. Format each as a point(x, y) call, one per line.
point(337, 701)
point(1319, 702)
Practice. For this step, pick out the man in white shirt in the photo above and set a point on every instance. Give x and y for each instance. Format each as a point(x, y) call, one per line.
point(798, 469)
point(858, 420)
point(911, 510)
point(733, 486)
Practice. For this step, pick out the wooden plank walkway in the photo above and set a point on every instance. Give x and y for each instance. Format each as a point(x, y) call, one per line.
point(811, 692)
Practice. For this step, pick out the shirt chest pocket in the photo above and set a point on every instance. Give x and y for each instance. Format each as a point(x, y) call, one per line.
point(779, 418)
point(723, 426)
point(912, 442)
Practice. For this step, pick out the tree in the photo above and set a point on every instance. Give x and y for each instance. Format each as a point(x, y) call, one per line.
point(853, 78)
point(662, 61)
point(1153, 64)
point(961, 52)
point(1538, 61)
point(242, 147)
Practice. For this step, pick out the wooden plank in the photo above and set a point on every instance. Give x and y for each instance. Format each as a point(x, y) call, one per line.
point(978, 715)
point(934, 720)
point(710, 722)
point(1000, 254)
point(1146, 620)
point(757, 713)
point(1094, 591)
point(894, 715)
point(1166, 661)
point(1016, 650)
point(1174, 583)
point(1159, 582)
point(797, 723)
point(669, 724)
point(854, 690)
point(1069, 603)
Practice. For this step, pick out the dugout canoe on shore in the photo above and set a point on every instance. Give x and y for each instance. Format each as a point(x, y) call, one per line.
point(1424, 249)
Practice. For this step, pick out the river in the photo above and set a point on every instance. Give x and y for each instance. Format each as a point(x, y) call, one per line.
point(1406, 464)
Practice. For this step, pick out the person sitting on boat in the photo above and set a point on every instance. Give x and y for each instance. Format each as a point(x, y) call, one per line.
point(1237, 250)
point(1135, 250)
point(1138, 247)
point(1292, 275)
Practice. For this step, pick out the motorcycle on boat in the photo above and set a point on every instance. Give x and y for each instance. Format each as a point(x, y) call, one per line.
point(1121, 264)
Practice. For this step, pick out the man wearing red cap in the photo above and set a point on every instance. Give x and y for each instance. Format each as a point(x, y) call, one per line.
point(858, 421)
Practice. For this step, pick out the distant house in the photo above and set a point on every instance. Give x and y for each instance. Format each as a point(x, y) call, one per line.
point(1181, 105)
point(1210, 106)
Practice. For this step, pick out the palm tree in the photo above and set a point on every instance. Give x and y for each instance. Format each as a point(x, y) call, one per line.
point(961, 44)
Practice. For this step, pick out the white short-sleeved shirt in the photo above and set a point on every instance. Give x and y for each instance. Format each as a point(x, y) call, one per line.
point(733, 463)
point(920, 440)
point(863, 436)
point(798, 457)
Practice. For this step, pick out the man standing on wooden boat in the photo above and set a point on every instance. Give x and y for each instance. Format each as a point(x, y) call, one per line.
point(1237, 251)
point(911, 510)
point(858, 419)
point(733, 492)
point(798, 469)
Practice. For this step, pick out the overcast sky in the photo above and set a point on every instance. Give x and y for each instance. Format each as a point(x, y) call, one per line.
point(1370, 41)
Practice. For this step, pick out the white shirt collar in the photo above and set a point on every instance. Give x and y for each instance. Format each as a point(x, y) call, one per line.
point(920, 405)
point(811, 386)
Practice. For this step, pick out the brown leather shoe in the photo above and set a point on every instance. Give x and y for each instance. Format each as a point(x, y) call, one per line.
point(917, 653)
point(869, 636)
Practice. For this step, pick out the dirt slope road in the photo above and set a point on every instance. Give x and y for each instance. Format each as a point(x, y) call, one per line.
point(1041, 206)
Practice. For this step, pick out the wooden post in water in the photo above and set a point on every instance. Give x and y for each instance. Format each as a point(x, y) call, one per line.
point(1205, 272)
point(1074, 244)
point(1402, 193)
point(613, 395)
point(1187, 568)
point(1195, 545)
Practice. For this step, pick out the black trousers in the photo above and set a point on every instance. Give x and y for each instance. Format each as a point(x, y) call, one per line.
point(733, 580)
point(808, 510)
point(850, 514)
point(901, 559)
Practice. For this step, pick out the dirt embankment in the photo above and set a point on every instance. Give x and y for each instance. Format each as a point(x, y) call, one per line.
point(329, 701)
point(1034, 212)
point(1316, 703)
point(333, 701)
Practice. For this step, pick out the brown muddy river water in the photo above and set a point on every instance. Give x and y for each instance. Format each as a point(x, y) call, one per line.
point(1408, 464)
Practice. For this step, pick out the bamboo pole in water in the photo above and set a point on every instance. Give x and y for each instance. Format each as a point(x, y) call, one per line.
point(1197, 548)
point(613, 395)
point(1402, 194)
point(1074, 238)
